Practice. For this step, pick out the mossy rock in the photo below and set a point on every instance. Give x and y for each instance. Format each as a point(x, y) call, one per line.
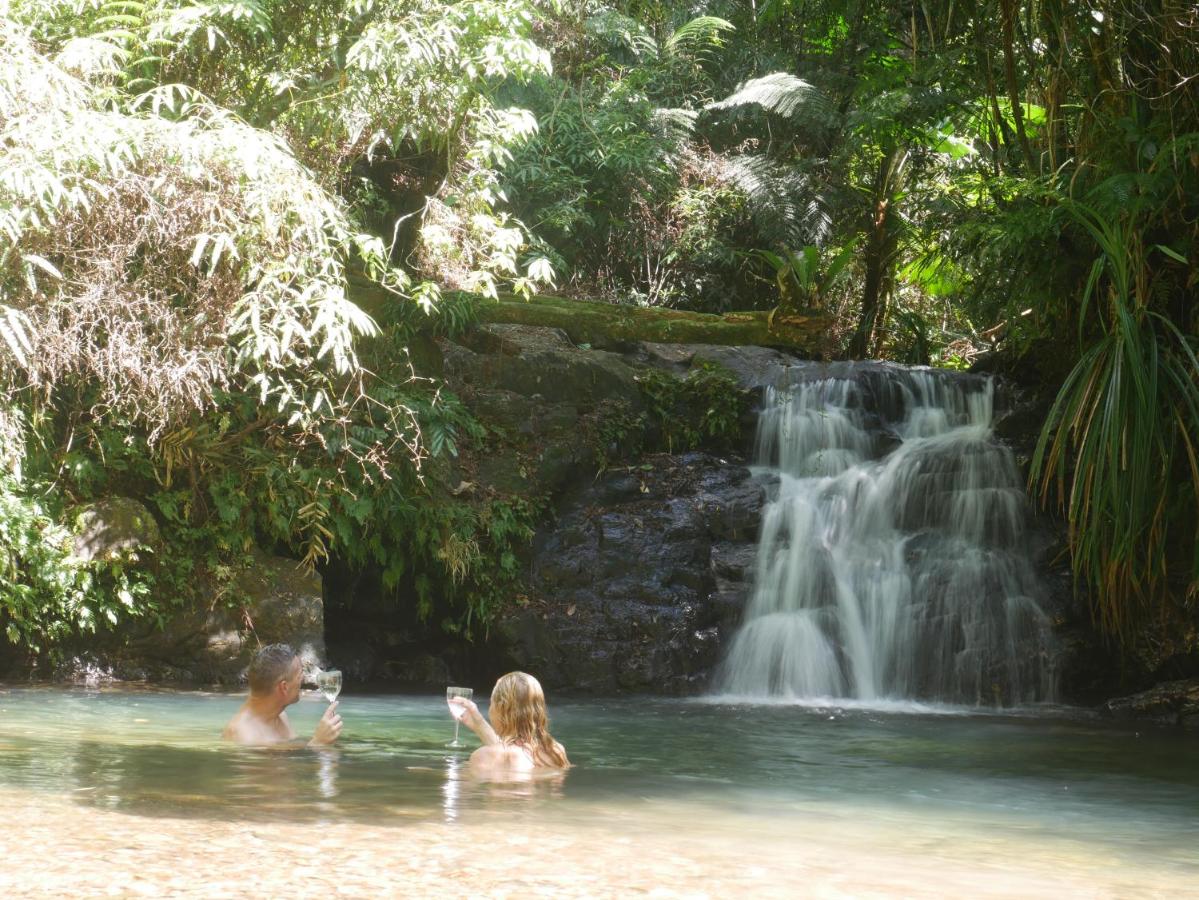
point(114, 528)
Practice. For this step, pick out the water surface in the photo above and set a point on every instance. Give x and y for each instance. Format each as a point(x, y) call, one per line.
point(668, 797)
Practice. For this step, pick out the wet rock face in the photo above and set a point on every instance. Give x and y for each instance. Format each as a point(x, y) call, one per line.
point(643, 575)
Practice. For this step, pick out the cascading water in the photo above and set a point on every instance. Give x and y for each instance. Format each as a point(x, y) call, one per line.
point(892, 564)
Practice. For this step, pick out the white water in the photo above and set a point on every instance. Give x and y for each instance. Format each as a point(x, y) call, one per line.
point(892, 565)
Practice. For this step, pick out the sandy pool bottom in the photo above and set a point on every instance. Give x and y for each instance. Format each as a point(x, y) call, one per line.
point(59, 847)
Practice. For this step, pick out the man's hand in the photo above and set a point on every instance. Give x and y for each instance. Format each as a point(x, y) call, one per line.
point(328, 728)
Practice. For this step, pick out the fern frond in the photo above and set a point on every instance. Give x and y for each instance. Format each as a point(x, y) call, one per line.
point(696, 37)
point(623, 31)
point(673, 124)
point(779, 92)
point(782, 202)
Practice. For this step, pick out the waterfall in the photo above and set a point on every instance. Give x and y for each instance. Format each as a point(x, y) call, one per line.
point(893, 561)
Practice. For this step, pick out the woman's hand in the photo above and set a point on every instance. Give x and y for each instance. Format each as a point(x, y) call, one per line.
point(473, 719)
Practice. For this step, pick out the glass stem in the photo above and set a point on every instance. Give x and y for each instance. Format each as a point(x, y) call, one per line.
point(456, 724)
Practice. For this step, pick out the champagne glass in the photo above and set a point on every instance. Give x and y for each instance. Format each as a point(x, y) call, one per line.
point(329, 683)
point(457, 711)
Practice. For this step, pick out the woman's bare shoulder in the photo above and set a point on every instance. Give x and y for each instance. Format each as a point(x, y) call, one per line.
point(502, 756)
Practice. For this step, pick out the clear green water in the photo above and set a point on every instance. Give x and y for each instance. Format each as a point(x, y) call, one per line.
point(1048, 790)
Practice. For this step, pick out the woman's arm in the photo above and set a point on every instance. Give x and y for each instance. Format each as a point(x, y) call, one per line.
point(473, 719)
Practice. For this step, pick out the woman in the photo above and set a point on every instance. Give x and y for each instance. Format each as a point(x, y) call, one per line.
point(518, 737)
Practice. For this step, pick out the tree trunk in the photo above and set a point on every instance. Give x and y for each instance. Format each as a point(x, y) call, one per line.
point(1008, 15)
point(882, 237)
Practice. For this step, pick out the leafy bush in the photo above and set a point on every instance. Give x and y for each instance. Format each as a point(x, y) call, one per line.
point(706, 408)
point(46, 592)
point(164, 261)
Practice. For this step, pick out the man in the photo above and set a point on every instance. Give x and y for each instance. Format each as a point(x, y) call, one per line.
point(275, 674)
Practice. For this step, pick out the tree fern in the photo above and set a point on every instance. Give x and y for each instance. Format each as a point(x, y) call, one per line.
point(697, 38)
point(785, 205)
point(779, 92)
point(675, 126)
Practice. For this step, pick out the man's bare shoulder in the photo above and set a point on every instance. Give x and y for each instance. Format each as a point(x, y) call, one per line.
point(247, 728)
point(243, 728)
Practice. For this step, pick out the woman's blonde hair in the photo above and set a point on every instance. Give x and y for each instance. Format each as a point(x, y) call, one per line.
point(518, 716)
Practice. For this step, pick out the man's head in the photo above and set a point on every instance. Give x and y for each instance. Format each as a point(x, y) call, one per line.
point(276, 669)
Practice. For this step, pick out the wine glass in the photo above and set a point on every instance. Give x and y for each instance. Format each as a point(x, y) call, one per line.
point(329, 683)
point(456, 710)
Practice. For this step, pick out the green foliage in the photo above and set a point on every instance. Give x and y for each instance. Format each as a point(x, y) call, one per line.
point(387, 101)
point(1122, 428)
point(46, 593)
point(706, 408)
point(174, 284)
point(804, 277)
point(185, 185)
point(106, 219)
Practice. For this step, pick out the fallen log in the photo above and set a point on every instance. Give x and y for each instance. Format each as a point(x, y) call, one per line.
point(600, 324)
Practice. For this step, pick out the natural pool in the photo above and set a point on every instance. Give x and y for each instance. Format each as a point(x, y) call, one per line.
point(126, 792)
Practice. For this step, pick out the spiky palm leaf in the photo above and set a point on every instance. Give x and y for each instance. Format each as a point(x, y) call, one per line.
point(1110, 446)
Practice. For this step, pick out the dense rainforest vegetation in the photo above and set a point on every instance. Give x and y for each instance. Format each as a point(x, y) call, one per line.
point(193, 193)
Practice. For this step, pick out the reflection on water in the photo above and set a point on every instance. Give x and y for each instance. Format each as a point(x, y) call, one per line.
point(730, 789)
point(452, 789)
